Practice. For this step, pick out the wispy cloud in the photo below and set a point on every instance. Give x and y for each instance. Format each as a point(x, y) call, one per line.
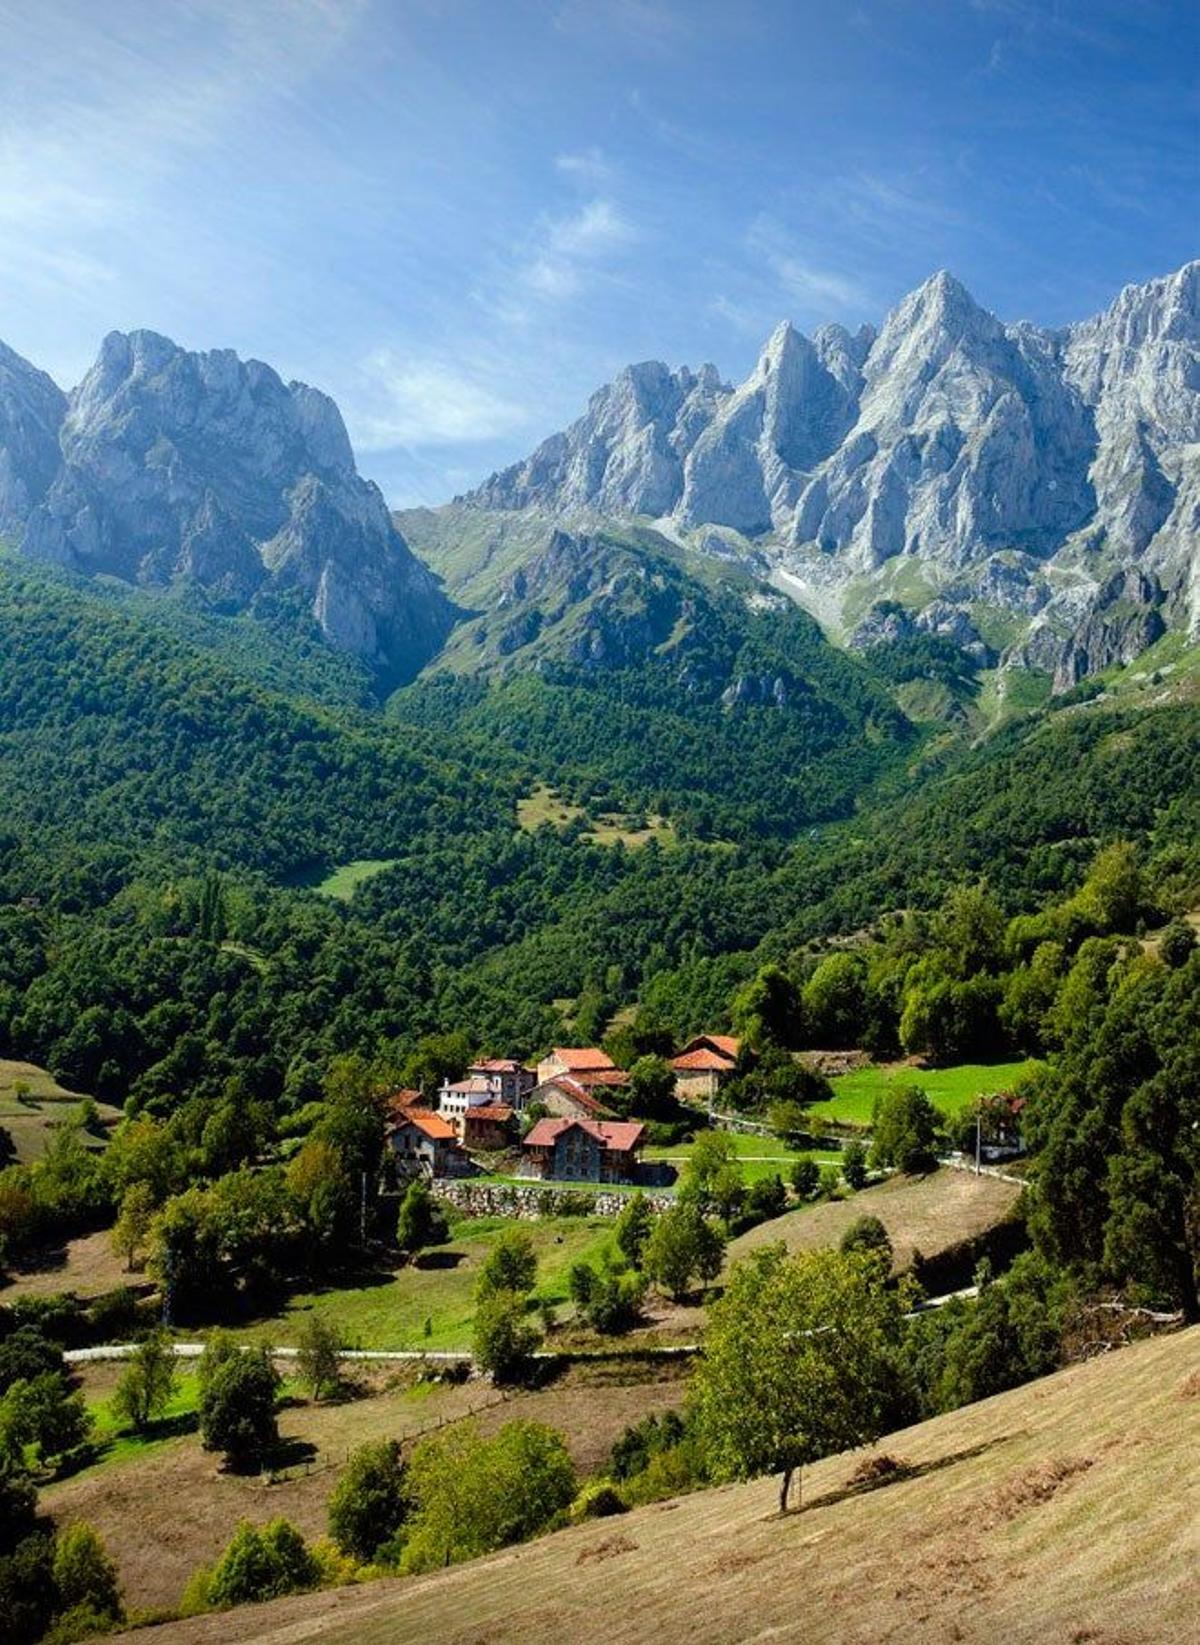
point(565, 254)
point(399, 401)
point(590, 166)
point(814, 285)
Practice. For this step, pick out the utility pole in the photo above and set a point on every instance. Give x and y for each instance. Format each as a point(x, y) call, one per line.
point(978, 1140)
point(362, 1219)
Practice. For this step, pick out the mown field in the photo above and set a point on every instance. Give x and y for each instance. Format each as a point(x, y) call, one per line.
point(949, 1089)
point(33, 1104)
point(759, 1156)
point(1066, 1511)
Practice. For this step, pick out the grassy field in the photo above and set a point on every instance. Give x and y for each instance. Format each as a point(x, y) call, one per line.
point(759, 1156)
point(88, 1266)
point(927, 1214)
point(164, 1507)
point(1056, 1514)
point(390, 1308)
point(33, 1104)
point(949, 1089)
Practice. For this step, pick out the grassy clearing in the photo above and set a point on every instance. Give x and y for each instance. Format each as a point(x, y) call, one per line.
point(760, 1156)
point(950, 1089)
point(33, 1105)
point(1054, 1512)
point(390, 1309)
point(545, 805)
point(345, 881)
point(88, 1266)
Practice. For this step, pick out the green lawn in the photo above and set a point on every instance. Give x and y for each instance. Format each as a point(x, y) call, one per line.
point(950, 1089)
point(391, 1310)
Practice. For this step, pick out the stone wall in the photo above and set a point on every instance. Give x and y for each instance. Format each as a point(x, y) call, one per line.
point(506, 1199)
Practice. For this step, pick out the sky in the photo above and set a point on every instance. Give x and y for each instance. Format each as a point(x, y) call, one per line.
point(460, 217)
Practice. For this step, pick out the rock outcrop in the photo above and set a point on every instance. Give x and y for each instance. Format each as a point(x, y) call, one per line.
point(32, 407)
point(165, 466)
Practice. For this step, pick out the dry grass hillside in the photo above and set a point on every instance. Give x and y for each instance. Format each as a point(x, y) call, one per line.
point(1064, 1513)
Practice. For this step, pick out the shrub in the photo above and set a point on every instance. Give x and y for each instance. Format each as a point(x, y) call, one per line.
point(28, 1596)
point(806, 1176)
point(503, 1340)
point(854, 1164)
point(510, 1265)
point(632, 1229)
point(767, 1198)
point(84, 1575)
point(319, 1355)
point(599, 1500)
point(262, 1564)
point(1176, 944)
point(422, 1221)
point(147, 1382)
point(867, 1234)
point(370, 1500)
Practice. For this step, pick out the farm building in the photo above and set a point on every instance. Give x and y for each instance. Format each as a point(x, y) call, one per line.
point(703, 1066)
point(425, 1144)
point(566, 1098)
point(587, 1064)
point(510, 1080)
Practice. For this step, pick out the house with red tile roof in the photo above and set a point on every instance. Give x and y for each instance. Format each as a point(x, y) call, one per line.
point(703, 1066)
point(510, 1080)
point(583, 1150)
point(489, 1126)
point(566, 1097)
point(586, 1060)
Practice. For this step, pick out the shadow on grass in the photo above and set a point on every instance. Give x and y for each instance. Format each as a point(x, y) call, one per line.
point(439, 1259)
point(905, 1471)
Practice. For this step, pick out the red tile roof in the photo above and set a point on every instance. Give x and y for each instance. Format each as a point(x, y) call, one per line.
point(724, 1044)
point(399, 1102)
point(572, 1088)
point(619, 1135)
point(433, 1125)
point(579, 1058)
point(496, 1065)
point(598, 1076)
point(493, 1113)
point(702, 1060)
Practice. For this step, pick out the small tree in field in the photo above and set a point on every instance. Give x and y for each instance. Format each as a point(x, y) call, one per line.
point(683, 1245)
point(854, 1164)
point(422, 1221)
point(504, 1340)
point(147, 1382)
point(237, 1405)
point(905, 1125)
point(86, 1579)
point(319, 1355)
point(131, 1231)
point(798, 1362)
point(632, 1229)
point(510, 1265)
point(806, 1176)
point(370, 1501)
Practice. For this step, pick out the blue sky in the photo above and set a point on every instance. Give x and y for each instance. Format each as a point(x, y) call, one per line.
point(460, 216)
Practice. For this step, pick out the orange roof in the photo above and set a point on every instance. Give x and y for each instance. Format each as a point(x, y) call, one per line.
point(496, 1065)
point(598, 1076)
point(433, 1125)
point(398, 1102)
point(620, 1135)
point(724, 1044)
point(577, 1058)
point(492, 1113)
point(701, 1060)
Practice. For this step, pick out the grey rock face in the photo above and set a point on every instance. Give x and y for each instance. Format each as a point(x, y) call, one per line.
point(988, 452)
point(173, 465)
point(32, 407)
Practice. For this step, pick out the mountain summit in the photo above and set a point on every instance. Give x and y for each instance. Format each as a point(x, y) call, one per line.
point(1013, 465)
point(166, 466)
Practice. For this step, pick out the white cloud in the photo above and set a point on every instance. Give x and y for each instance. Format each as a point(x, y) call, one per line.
point(811, 284)
point(590, 166)
point(568, 250)
point(401, 400)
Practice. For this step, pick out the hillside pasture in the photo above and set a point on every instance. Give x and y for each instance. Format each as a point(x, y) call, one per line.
point(33, 1105)
point(949, 1089)
point(1057, 1512)
point(124, 1493)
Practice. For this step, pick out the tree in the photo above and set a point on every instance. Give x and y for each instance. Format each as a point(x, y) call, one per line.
point(766, 1010)
point(436, 1059)
point(806, 1176)
point(262, 1564)
point(237, 1406)
point(652, 1088)
point(798, 1362)
point(904, 1130)
point(370, 1501)
point(713, 1175)
point(319, 1355)
point(422, 1221)
point(318, 1181)
point(854, 1164)
point(1177, 944)
point(28, 1596)
point(632, 1228)
point(683, 1245)
point(147, 1382)
point(868, 1234)
point(85, 1576)
point(42, 1411)
point(1110, 899)
point(131, 1230)
point(767, 1199)
point(835, 1002)
point(503, 1341)
point(473, 1495)
point(510, 1265)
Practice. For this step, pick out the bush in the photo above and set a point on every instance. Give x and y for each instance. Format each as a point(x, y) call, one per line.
point(867, 1234)
point(610, 1300)
point(1176, 944)
point(503, 1341)
point(422, 1221)
point(370, 1501)
point(767, 1198)
point(25, 1354)
point(642, 1440)
point(84, 1575)
point(147, 1382)
point(599, 1500)
point(262, 1564)
point(237, 1405)
point(683, 1246)
point(632, 1229)
point(510, 1265)
point(806, 1176)
point(905, 1125)
point(854, 1164)
point(28, 1596)
point(319, 1355)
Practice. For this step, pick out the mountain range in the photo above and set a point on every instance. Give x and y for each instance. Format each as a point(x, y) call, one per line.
point(1032, 496)
point(1052, 476)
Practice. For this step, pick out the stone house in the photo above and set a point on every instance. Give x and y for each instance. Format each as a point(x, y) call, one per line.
point(581, 1150)
point(703, 1066)
point(510, 1080)
point(588, 1064)
point(425, 1144)
point(567, 1098)
point(489, 1126)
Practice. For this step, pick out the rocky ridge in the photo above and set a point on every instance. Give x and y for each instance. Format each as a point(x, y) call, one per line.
point(165, 467)
point(1016, 467)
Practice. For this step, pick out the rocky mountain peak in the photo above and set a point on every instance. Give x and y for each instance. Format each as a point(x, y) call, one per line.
point(32, 407)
